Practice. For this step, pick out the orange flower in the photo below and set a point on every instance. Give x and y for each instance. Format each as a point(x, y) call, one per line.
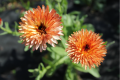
point(86, 47)
point(40, 27)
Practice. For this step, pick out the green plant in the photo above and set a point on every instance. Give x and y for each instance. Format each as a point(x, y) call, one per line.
point(57, 56)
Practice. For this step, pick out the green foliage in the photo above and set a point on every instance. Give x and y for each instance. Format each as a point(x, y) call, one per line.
point(93, 71)
point(40, 72)
point(70, 73)
point(25, 5)
point(7, 29)
point(57, 56)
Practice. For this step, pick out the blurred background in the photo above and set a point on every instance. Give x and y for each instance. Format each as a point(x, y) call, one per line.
point(102, 14)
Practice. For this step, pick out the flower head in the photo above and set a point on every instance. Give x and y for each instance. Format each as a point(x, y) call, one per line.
point(87, 48)
point(40, 27)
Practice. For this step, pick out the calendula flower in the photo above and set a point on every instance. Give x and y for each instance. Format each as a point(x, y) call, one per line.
point(40, 27)
point(87, 48)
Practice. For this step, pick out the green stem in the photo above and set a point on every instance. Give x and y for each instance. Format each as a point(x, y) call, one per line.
point(6, 30)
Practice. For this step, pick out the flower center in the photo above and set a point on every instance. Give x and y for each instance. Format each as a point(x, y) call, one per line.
point(42, 28)
point(86, 47)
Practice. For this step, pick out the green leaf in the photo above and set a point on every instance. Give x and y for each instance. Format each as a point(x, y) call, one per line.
point(64, 4)
point(51, 71)
point(93, 71)
point(59, 50)
point(52, 54)
point(101, 34)
point(56, 64)
point(82, 19)
point(38, 77)
point(7, 27)
point(39, 68)
point(16, 33)
point(42, 66)
point(31, 70)
point(67, 20)
point(79, 67)
point(105, 43)
point(61, 60)
point(69, 73)
point(26, 48)
point(49, 49)
point(3, 33)
point(16, 25)
point(42, 70)
point(63, 41)
point(83, 26)
point(20, 41)
point(28, 5)
point(46, 61)
point(88, 27)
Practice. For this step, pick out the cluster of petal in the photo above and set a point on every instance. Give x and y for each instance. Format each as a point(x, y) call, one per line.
point(87, 48)
point(40, 27)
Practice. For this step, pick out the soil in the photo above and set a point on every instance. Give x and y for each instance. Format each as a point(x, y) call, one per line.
point(14, 62)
